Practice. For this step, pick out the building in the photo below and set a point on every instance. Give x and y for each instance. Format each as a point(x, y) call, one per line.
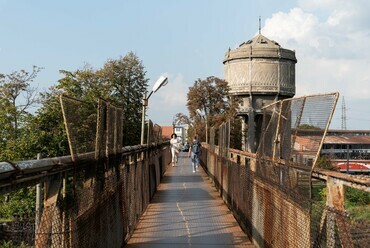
point(180, 130)
point(167, 131)
point(339, 146)
point(259, 72)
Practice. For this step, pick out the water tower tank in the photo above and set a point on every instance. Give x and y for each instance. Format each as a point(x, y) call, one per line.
point(259, 72)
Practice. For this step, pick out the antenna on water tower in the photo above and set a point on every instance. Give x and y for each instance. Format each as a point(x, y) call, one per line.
point(259, 27)
point(344, 115)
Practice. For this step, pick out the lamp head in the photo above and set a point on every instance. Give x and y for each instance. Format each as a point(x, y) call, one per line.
point(162, 81)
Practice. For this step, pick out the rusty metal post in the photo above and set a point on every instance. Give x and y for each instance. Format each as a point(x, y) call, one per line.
point(144, 104)
point(347, 159)
point(64, 227)
point(38, 202)
point(49, 213)
point(335, 201)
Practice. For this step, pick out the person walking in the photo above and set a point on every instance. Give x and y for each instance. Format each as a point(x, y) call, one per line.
point(194, 152)
point(174, 144)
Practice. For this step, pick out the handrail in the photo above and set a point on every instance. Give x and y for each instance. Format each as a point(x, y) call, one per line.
point(12, 172)
point(359, 182)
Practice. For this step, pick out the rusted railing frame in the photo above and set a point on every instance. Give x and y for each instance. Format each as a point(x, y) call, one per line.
point(323, 175)
point(36, 170)
point(335, 182)
point(51, 172)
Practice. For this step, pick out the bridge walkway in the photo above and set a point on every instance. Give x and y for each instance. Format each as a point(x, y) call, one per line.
point(187, 211)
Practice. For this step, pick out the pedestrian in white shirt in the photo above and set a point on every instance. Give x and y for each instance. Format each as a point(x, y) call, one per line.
point(174, 148)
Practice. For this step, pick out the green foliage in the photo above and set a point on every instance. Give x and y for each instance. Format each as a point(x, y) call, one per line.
point(359, 212)
point(324, 163)
point(50, 137)
point(356, 197)
point(357, 203)
point(15, 134)
point(126, 84)
point(20, 204)
point(307, 126)
point(211, 96)
point(6, 244)
point(121, 81)
point(323, 194)
point(23, 136)
point(10, 244)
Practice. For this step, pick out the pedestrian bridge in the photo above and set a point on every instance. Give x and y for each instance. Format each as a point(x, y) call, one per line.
point(187, 211)
point(106, 195)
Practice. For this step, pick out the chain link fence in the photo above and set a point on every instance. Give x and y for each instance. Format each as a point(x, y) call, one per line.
point(93, 198)
point(277, 195)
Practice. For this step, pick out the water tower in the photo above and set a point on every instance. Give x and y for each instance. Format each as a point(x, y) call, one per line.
point(258, 72)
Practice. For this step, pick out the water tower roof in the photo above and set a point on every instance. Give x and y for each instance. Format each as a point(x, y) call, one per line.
point(259, 47)
point(260, 41)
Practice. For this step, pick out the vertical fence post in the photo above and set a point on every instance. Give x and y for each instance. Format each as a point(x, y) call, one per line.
point(335, 201)
point(38, 202)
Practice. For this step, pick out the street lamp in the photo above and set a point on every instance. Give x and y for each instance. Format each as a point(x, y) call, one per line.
point(162, 81)
point(205, 118)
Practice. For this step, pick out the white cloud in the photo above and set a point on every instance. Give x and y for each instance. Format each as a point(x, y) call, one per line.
point(168, 100)
point(332, 43)
point(333, 53)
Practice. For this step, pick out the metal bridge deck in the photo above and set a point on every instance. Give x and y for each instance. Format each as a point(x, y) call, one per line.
point(187, 211)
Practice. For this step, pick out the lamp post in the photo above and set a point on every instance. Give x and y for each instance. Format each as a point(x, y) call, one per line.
point(162, 81)
point(205, 119)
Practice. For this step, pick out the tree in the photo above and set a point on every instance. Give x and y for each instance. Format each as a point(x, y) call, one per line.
point(85, 84)
point(121, 81)
point(324, 163)
point(16, 97)
point(211, 96)
point(181, 118)
point(50, 137)
point(309, 127)
point(126, 85)
point(14, 85)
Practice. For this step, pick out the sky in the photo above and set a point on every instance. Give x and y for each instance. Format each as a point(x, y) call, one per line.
point(187, 39)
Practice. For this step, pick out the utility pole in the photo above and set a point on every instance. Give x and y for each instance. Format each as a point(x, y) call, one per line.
point(344, 115)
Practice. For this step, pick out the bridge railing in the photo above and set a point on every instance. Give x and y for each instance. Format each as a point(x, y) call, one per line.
point(92, 198)
point(282, 202)
point(88, 203)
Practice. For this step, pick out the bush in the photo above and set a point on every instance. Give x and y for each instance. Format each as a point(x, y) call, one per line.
point(20, 204)
point(355, 197)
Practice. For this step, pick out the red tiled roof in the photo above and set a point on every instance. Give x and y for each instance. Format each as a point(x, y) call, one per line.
point(167, 131)
point(307, 143)
point(347, 140)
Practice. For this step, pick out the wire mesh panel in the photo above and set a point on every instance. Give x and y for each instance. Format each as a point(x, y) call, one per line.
point(285, 122)
point(157, 133)
point(273, 193)
point(283, 141)
point(80, 122)
point(150, 133)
